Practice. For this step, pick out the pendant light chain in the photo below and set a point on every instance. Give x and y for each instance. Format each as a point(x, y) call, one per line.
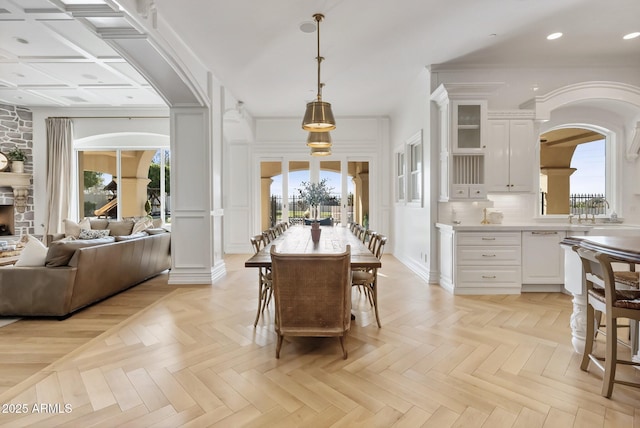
point(318, 17)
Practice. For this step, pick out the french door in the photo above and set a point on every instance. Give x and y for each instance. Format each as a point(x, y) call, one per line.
point(281, 179)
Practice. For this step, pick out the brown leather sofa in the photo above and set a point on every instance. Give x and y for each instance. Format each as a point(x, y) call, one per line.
point(91, 274)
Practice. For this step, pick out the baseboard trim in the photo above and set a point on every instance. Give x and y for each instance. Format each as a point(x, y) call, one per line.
point(192, 278)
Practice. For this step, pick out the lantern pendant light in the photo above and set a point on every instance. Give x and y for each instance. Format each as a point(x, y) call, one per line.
point(320, 151)
point(318, 117)
point(319, 139)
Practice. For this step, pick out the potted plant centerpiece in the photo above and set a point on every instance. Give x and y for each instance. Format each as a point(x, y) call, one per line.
point(17, 158)
point(314, 194)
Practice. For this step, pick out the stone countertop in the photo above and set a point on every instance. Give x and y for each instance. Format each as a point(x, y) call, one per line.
point(515, 227)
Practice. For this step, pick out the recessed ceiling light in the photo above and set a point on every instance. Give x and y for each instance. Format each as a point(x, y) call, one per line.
point(308, 27)
point(554, 36)
point(89, 76)
point(492, 35)
point(19, 74)
point(21, 40)
point(632, 35)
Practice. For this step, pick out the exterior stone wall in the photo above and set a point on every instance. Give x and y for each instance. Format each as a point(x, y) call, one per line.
point(16, 129)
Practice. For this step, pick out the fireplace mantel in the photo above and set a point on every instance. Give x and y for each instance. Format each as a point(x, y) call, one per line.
point(20, 184)
point(10, 179)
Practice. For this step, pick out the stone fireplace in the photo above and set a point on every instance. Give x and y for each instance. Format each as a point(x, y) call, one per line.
point(7, 220)
point(16, 189)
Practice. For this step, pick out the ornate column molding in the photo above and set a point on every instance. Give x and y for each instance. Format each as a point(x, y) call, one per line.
point(20, 183)
point(20, 196)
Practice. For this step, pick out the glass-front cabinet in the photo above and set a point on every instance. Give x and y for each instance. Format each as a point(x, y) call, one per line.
point(468, 122)
point(462, 110)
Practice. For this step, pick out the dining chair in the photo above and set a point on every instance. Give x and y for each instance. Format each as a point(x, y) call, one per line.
point(367, 280)
point(265, 289)
point(312, 295)
point(372, 240)
point(604, 298)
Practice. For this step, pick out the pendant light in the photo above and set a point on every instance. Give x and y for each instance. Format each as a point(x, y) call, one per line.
point(318, 117)
point(320, 151)
point(319, 139)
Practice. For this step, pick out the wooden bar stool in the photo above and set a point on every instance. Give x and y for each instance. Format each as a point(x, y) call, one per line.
point(603, 298)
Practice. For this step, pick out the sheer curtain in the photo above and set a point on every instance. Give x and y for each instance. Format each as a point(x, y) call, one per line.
point(59, 172)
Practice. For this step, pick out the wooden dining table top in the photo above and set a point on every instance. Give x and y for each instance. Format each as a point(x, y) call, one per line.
point(333, 240)
point(622, 248)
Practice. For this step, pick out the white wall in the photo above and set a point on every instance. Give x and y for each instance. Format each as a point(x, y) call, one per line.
point(414, 235)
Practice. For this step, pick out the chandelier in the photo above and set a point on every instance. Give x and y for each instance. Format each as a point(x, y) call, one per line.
point(318, 117)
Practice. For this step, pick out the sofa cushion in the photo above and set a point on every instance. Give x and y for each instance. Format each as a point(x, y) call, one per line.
point(72, 228)
point(60, 252)
point(132, 236)
point(33, 253)
point(119, 228)
point(155, 231)
point(93, 234)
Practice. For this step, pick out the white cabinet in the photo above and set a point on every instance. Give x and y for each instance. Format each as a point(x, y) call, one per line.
point(462, 110)
point(510, 156)
point(480, 262)
point(468, 123)
point(542, 257)
point(501, 260)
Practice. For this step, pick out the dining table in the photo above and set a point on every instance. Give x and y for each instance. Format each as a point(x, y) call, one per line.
point(333, 240)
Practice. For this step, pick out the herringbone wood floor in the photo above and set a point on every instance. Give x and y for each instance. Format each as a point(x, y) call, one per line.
point(189, 356)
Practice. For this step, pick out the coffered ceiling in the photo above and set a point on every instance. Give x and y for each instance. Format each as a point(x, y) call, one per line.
point(373, 49)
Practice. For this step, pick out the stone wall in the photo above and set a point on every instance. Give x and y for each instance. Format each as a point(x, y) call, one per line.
point(16, 129)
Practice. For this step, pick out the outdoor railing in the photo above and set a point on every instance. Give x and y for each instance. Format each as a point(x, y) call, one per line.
point(583, 203)
point(299, 209)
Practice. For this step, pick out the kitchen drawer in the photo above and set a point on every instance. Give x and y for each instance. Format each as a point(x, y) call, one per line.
point(500, 276)
point(489, 238)
point(492, 255)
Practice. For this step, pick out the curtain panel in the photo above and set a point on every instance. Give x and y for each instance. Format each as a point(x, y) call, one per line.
point(59, 170)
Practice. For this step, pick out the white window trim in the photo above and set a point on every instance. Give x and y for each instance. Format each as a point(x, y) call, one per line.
point(414, 177)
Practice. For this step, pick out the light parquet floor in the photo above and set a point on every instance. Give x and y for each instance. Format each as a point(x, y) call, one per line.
point(190, 356)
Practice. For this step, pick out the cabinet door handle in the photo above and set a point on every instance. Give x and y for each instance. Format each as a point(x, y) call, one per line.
point(488, 255)
point(488, 277)
point(544, 233)
point(488, 239)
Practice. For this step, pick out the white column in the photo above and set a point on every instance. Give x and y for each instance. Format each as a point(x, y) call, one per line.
point(216, 95)
point(191, 196)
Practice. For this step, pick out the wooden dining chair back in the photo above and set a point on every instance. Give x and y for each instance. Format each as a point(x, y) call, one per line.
point(265, 290)
point(367, 279)
point(312, 295)
point(373, 239)
point(604, 298)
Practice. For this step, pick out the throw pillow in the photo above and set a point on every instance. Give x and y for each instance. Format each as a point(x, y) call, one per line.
point(33, 253)
point(93, 234)
point(141, 225)
point(99, 223)
point(119, 228)
point(71, 228)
